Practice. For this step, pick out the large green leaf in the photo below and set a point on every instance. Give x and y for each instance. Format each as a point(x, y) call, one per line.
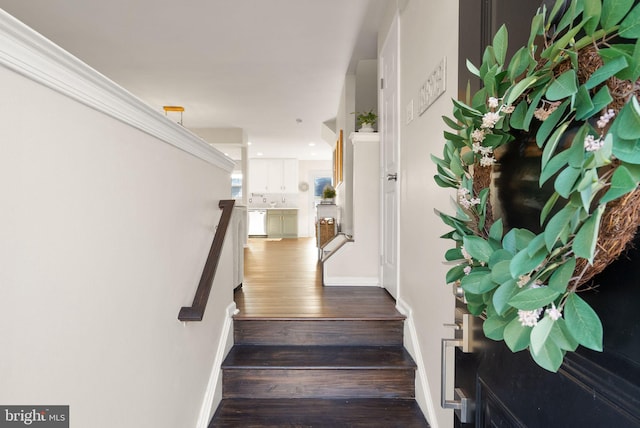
point(533, 298)
point(566, 181)
point(478, 282)
point(548, 207)
point(500, 273)
point(613, 11)
point(564, 86)
point(499, 256)
point(518, 116)
point(540, 333)
point(494, 327)
point(496, 230)
point(550, 123)
point(564, 339)
point(523, 262)
point(584, 244)
point(560, 278)
point(519, 63)
point(549, 168)
point(455, 273)
point(622, 182)
point(628, 121)
point(592, 10)
point(517, 336)
point(583, 322)
point(478, 248)
point(549, 357)
point(599, 101)
point(500, 42)
point(558, 227)
point(519, 88)
point(503, 294)
point(606, 71)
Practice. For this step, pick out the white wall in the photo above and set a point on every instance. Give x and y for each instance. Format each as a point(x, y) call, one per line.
point(104, 231)
point(428, 32)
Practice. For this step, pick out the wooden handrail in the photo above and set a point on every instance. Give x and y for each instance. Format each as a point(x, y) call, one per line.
point(195, 312)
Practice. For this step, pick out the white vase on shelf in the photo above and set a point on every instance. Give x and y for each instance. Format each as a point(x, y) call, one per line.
point(366, 127)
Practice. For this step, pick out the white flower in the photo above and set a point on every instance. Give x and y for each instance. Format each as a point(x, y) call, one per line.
point(591, 144)
point(478, 135)
point(490, 119)
point(554, 313)
point(529, 318)
point(467, 270)
point(605, 118)
point(507, 109)
point(487, 160)
point(523, 280)
point(493, 102)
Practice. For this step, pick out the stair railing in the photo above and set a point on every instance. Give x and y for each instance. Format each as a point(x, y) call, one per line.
point(195, 312)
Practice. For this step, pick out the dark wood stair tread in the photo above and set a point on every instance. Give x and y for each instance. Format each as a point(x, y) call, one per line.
point(318, 357)
point(319, 413)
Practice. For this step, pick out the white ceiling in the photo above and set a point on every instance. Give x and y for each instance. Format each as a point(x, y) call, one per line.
point(253, 64)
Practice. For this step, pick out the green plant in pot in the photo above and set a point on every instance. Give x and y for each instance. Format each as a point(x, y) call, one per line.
point(366, 120)
point(328, 193)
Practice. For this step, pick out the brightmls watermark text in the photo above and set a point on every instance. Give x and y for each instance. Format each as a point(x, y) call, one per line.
point(34, 416)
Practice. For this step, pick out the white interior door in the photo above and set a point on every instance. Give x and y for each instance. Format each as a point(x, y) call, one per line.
point(389, 146)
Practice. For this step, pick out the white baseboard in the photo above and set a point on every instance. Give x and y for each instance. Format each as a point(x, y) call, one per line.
point(412, 344)
point(352, 281)
point(206, 411)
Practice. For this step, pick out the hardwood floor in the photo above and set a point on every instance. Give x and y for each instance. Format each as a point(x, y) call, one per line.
point(305, 355)
point(282, 280)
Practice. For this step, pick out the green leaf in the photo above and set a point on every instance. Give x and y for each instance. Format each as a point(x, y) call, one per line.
point(500, 42)
point(452, 123)
point(583, 322)
point(622, 182)
point(562, 275)
point(552, 51)
point(517, 89)
point(494, 326)
point(548, 207)
point(496, 230)
point(478, 248)
point(566, 181)
point(549, 124)
point(519, 63)
point(503, 294)
point(549, 357)
point(517, 239)
point(533, 298)
point(477, 282)
point(592, 10)
point(613, 11)
point(564, 339)
point(453, 254)
point(628, 121)
point(535, 245)
point(630, 26)
point(550, 167)
point(583, 103)
point(563, 86)
point(540, 333)
point(606, 71)
point(499, 256)
point(500, 273)
point(473, 69)
point(516, 336)
point(627, 150)
point(443, 182)
point(584, 244)
point(518, 115)
point(536, 96)
point(558, 227)
point(536, 28)
point(455, 273)
point(599, 101)
point(523, 262)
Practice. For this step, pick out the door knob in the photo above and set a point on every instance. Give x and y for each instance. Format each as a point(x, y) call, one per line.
point(392, 177)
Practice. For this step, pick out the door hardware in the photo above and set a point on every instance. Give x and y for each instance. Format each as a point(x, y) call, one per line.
point(392, 177)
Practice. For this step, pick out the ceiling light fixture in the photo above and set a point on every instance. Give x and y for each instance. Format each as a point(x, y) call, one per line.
point(180, 109)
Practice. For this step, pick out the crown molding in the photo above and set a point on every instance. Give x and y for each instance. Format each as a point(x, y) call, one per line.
point(33, 56)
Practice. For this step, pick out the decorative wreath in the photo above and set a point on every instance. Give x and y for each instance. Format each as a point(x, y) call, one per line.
point(574, 90)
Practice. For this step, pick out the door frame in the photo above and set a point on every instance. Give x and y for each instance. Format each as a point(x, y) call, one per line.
point(393, 36)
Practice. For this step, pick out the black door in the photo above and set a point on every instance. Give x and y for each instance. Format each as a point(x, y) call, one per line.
point(591, 389)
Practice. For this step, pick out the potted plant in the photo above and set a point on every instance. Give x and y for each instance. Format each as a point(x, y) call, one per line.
point(328, 194)
point(366, 120)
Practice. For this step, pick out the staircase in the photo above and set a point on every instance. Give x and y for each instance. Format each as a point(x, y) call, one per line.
point(319, 372)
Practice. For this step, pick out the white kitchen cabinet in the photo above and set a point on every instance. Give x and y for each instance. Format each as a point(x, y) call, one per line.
point(273, 176)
